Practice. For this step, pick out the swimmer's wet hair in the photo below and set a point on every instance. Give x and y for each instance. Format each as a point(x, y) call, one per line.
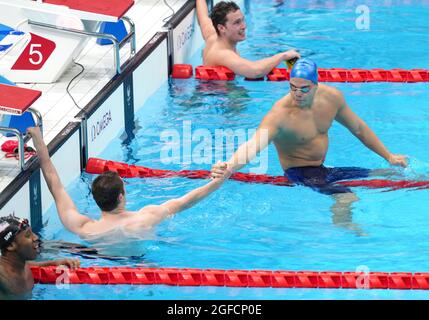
point(220, 11)
point(106, 189)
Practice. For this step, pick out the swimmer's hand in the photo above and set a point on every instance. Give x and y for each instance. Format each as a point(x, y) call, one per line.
point(34, 132)
point(291, 54)
point(220, 171)
point(398, 160)
point(70, 263)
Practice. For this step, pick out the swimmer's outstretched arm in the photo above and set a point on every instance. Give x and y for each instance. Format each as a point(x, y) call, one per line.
point(191, 198)
point(67, 211)
point(155, 214)
point(263, 136)
point(363, 132)
point(253, 69)
point(206, 25)
point(70, 263)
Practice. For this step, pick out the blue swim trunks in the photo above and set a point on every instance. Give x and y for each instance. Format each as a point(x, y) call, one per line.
point(322, 179)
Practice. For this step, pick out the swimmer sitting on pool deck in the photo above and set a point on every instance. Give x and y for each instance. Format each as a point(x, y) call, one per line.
point(109, 194)
point(298, 125)
point(222, 31)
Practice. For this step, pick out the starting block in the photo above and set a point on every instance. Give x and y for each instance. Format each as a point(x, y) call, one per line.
point(17, 101)
point(54, 32)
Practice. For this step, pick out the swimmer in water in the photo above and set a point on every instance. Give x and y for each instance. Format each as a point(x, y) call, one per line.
point(298, 125)
point(19, 247)
point(222, 31)
point(109, 194)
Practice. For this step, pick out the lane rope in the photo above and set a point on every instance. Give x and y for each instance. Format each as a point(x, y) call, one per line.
point(98, 166)
point(233, 278)
point(185, 71)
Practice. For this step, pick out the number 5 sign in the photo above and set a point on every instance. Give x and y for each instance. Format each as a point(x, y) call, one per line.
point(35, 54)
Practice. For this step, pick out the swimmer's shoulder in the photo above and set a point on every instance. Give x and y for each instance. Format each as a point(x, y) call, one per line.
point(5, 288)
point(210, 52)
point(212, 39)
point(217, 54)
point(150, 209)
point(331, 93)
point(282, 107)
point(279, 114)
point(2, 280)
point(150, 215)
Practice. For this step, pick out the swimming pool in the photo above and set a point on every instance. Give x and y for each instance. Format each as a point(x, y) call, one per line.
point(251, 226)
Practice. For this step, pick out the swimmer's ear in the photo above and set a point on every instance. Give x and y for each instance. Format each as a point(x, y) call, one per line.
point(12, 247)
point(221, 27)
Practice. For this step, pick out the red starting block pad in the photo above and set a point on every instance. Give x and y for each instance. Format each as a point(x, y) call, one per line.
point(115, 8)
point(16, 100)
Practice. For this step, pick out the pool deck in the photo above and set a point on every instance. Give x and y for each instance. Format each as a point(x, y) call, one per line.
point(56, 106)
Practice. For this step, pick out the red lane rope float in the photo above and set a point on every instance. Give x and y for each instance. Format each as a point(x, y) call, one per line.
point(233, 278)
point(393, 185)
point(98, 166)
point(214, 73)
point(325, 75)
point(182, 71)
point(278, 74)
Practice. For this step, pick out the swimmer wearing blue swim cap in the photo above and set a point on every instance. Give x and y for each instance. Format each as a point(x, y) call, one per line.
point(304, 82)
point(305, 69)
point(298, 125)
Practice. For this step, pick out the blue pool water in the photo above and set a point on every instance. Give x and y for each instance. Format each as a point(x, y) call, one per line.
point(251, 226)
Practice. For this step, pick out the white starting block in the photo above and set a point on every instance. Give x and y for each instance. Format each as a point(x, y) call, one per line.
point(15, 100)
point(56, 31)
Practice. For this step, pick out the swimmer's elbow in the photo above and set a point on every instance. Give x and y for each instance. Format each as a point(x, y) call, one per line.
point(359, 130)
point(255, 72)
point(249, 70)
